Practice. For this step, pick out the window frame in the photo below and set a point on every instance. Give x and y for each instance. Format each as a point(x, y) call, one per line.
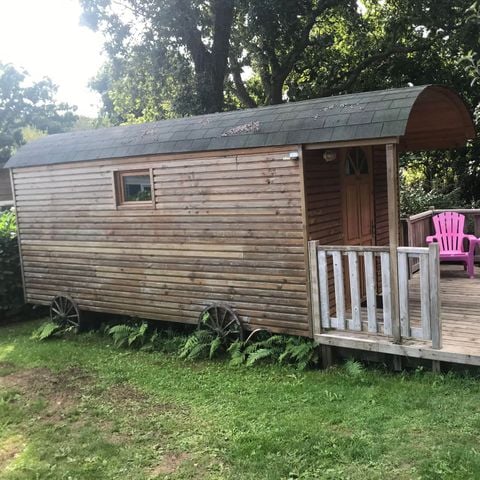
point(119, 192)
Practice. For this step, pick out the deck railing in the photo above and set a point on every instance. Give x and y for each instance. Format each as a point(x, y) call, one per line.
point(351, 290)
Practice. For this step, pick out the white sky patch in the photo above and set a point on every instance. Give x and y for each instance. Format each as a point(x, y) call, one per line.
point(45, 38)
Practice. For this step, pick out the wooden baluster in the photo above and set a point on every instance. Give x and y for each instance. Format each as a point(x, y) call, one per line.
point(403, 295)
point(339, 289)
point(425, 297)
point(435, 307)
point(324, 293)
point(355, 290)
point(371, 283)
point(386, 293)
point(314, 287)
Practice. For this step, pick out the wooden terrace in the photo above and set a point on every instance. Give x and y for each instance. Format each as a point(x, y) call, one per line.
point(452, 335)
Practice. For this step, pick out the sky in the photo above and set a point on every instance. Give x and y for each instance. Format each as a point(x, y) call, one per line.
point(45, 38)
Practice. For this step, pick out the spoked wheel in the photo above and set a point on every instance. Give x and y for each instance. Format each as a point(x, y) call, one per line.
point(64, 312)
point(223, 322)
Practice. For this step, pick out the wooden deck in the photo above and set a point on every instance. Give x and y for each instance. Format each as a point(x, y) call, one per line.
point(460, 309)
point(460, 318)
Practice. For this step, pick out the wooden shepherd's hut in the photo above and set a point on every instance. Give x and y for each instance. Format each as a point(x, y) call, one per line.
point(161, 220)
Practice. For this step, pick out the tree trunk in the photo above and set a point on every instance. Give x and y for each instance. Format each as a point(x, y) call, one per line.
point(210, 64)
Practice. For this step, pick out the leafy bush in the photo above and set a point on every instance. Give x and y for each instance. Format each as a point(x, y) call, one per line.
point(297, 351)
point(139, 336)
point(11, 295)
point(414, 199)
point(354, 368)
point(201, 344)
point(133, 336)
point(50, 330)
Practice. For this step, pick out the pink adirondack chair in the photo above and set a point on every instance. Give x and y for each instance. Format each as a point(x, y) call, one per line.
point(450, 237)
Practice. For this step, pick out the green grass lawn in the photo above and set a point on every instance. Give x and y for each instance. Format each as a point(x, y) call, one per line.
point(79, 408)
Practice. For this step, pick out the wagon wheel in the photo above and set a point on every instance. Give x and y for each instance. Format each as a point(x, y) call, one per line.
point(222, 321)
point(64, 312)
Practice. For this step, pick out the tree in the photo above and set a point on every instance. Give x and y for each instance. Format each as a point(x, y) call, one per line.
point(28, 105)
point(164, 38)
point(169, 57)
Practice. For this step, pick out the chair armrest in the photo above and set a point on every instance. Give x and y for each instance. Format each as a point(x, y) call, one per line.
point(431, 238)
point(472, 243)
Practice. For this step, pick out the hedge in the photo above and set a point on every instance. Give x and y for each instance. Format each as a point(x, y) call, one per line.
point(11, 293)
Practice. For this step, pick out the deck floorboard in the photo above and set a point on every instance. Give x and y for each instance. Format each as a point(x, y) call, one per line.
point(460, 315)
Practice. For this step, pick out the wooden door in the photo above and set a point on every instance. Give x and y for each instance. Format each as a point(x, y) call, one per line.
point(358, 210)
point(358, 215)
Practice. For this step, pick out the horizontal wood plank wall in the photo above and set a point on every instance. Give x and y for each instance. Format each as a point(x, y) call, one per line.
point(380, 203)
point(5, 188)
point(324, 205)
point(224, 229)
point(323, 199)
point(380, 192)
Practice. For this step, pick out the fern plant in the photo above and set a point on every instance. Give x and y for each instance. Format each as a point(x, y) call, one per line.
point(49, 330)
point(354, 368)
point(133, 336)
point(297, 351)
point(201, 344)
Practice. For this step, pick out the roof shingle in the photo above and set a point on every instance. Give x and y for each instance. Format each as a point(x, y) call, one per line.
point(357, 116)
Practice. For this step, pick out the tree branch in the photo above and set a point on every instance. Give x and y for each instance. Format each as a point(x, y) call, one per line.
point(192, 36)
point(240, 88)
point(304, 38)
point(353, 75)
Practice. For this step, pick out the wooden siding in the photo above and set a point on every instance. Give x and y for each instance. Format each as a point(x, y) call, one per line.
point(380, 199)
point(5, 188)
point(223, 229)
point(324, 203)
point(323, 199)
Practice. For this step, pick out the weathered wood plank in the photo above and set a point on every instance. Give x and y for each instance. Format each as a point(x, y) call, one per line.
point(324, 293)
point(393, 238)
point(314, 286)
point(386, 293)
point(224, 227)
point(339, 289)
point(353, 269)
point(425, 297)
point(370, 285)
point(403, 274)
point(434, 278)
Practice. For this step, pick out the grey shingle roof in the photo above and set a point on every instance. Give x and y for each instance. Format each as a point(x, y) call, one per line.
point(366, 115)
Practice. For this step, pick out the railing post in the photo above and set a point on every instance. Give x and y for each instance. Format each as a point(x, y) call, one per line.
point(314, 281)
point(435, 308)
point(393, 220)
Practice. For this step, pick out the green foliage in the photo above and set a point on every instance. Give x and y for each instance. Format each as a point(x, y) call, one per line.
point(138, 335)
point(49, 330)
point(8, 224)
point(354, 368)
point(414, 199)
point(201, 344)
point(166, 341)
point(297, 351)
point(11, 294)
point(164, 56)
point(28, 104)
point(133, 336)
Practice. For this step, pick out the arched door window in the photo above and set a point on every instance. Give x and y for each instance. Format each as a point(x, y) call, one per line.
point(356, 162)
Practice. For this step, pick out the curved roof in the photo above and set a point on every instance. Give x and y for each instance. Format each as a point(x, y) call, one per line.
point(422, 117)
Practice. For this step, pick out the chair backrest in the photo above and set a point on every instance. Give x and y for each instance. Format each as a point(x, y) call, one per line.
point(449, 231)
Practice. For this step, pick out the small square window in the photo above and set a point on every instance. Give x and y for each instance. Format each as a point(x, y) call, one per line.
point(134, 188)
